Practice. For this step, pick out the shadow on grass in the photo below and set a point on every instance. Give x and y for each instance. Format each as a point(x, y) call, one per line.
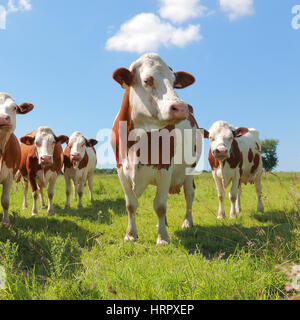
point(212, 241)
point(98, 210)
point(44, 243)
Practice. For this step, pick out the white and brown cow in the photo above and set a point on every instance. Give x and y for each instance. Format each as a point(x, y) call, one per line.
point(80, 160)
point(234, 157)
point(151, 105)
point(41, 161)
point(10, 153)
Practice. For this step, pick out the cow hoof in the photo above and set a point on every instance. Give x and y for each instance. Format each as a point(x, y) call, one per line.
point(221, 217)
point(187, 224)
point(161, 242)
point(130, 238)
point(232, 217)
point(24, 207)
point(6, 224)
point(67, 207)
point(80, 206)
point(51, 213)
point(260, 209)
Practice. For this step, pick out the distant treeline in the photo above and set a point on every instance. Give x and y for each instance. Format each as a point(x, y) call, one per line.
point(106, 171)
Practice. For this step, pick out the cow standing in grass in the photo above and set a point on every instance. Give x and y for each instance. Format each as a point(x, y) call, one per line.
point(80, 160)
point(235, 157)
point(41, 161)
point(10, 153)
point(151, 104)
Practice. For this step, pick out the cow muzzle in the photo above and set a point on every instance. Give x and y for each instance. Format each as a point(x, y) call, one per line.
point(75, 157)
point(5, 121)
point(178, 112)
point(221, 153)
point(46, 161)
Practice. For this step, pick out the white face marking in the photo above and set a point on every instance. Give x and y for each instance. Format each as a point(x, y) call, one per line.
point(77, 143)
point(8, 112)
point(153, 94)
point(45, 143)
point(221, 138)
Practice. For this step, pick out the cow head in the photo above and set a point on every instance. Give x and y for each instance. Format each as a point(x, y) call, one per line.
point(153, 99)
point(8, 111)
point(221, 136)
point(45, 141)
point(78, 144)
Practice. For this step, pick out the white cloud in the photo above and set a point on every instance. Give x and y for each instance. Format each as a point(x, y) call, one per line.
point(237, 8)
point(12, 7)
point(181, 10)
point(18, 5)
point(146, 32)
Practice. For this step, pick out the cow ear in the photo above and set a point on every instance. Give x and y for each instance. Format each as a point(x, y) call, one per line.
point(240, 132)
point(62, 139)
point(25, 108)
point(91, 143)
point(205, 133)
point(183, 79)
point(28, 140)
point(124, 77)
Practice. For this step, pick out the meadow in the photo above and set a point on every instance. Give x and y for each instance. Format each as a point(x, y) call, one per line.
point(80, 254)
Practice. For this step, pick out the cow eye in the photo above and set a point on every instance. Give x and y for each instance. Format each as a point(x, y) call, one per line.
point(149, 82)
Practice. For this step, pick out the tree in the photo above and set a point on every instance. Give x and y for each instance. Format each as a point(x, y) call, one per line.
point(269, 154)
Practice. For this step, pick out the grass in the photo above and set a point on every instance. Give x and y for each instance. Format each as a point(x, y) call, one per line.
point(80, 254)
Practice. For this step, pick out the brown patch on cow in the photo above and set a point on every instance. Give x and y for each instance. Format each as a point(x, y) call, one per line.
point(250, 155)
point(160, 163)
point(258, 147)
point(256, 163)
point(214, 163)
point(84, 162)
point(176, 189)
point(12, 154)
point(236, 156)
point(194, 185)
point(116, 139)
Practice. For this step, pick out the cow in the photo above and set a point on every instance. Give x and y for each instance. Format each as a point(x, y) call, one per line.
point(234, 157)
point(10, 153)
point(80, 160)
point(41, 161)
point(152, 106)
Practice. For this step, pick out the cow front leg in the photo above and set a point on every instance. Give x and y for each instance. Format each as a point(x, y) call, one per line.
point(160, 206)
point(221, 196)
point(233, 196)
point(80, 193)
point(68, 192)
point(42, 202)
point(25, 191)
point(75, 190)
point(189, 192)
point(50, 193)
point(5, 201)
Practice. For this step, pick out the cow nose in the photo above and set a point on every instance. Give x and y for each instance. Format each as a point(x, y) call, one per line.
point(221, 151)
point(46, 159)
point(4, 119)
point(178, 111)
point(75, 156)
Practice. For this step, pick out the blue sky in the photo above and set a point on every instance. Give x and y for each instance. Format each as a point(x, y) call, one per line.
point(244, 54)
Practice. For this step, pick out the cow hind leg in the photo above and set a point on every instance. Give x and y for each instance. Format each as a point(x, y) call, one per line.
point(189, 192)
point(258, 187)
point(75, 190)
point(90, 185)
point(238, 207)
